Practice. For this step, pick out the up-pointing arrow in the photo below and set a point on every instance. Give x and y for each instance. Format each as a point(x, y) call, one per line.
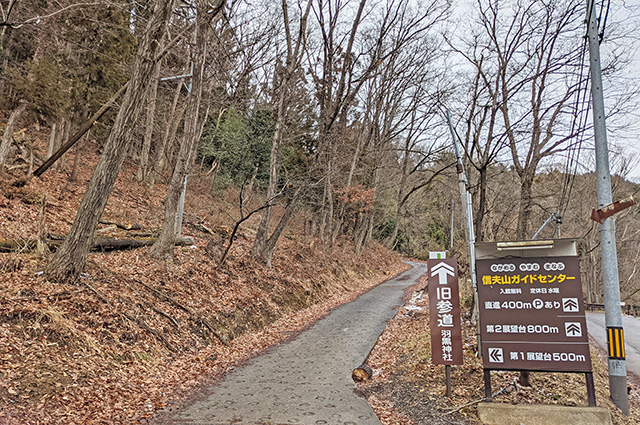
point(573, 329)
point(570, 303)
point(442, 270)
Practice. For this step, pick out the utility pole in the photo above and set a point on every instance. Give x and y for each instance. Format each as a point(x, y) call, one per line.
point(465, 197)
point(451, 228)
point(612, 311)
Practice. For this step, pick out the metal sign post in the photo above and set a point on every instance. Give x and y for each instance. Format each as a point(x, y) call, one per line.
point(467, 209)
point(444, 312)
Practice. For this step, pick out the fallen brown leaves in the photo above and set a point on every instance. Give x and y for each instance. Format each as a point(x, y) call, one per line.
point(134, 336)
point(70, 356)
point(407, 385)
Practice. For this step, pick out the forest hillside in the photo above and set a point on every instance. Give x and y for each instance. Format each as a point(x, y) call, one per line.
point(133, 334)
point(314, 139)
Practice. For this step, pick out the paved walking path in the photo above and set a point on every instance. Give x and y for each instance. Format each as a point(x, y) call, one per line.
point(307, 381)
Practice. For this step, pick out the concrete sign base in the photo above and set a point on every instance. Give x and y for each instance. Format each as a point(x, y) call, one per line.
point(541, 414)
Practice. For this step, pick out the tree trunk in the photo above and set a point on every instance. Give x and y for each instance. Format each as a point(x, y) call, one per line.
point(76, 159)
point(352, 169)
point(524, 214)
point(70, 260)
point(148, 131)
point(361, 231)
point(5, 30)
point(7, 137)
point(261, 250)
point(521, 235)
point(169, 134)
point(327, 201)
point(376, 182)
point(41, 247)
point(266, 253)
point(482, 203)
point(61, 137)
point(163, 248)
point(53, 136)
point(260, 245)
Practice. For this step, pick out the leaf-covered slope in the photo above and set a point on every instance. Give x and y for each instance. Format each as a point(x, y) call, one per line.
point(134, 335)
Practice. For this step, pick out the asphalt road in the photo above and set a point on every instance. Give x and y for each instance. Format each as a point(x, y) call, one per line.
point(631, 325)
point(307, 380)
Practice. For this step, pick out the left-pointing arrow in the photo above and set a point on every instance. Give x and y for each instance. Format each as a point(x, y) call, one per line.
point(442, 270)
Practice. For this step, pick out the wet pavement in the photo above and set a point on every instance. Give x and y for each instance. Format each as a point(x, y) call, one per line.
point(307, 381)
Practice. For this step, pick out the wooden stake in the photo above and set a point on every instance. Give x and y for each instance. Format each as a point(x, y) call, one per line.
point(447, 378)
point(41, 244)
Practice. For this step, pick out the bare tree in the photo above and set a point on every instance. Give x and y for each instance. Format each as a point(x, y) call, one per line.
point(484, 139)
point(377, 36)
point(536, 49)
point(143, 165)
point(526, 60)
point(7, 137)
point(69, 261)
point(175, 115)
point(163, 247)
point(288, 74)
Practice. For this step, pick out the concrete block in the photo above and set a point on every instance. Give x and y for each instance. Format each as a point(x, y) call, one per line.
point(541, 414)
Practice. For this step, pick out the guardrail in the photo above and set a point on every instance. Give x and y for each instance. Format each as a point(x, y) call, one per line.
point(632, 310)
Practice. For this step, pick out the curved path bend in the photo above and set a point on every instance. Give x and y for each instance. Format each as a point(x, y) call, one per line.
point(307, 381)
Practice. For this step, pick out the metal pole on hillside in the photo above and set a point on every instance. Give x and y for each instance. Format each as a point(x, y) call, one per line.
point(180, 214)
point(183, 193)
point(451, 228)
point(612, 311)
point(465, 198)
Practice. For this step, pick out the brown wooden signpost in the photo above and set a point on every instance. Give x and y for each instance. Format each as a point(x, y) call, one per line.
point(532, 316)
point(444, 312)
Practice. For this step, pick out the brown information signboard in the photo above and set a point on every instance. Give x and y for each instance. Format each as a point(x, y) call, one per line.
point(444, 312)
point(532, 314)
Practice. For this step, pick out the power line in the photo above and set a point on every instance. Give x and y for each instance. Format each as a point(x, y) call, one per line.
point(603, 22)
point(580, 110)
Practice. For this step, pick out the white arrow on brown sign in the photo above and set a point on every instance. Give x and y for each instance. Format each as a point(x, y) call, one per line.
point(442, 270)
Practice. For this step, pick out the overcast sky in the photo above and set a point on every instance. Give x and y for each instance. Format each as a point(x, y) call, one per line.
point(624, 20)
point(630, 14)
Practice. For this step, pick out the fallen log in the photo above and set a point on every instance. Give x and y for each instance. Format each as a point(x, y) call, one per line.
point(109, 244)
point(202, 228)
point(362, 373)
point(124, 226)
point(17, 245)
point(100, 244)
point(153, 233)
point(105, 231)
